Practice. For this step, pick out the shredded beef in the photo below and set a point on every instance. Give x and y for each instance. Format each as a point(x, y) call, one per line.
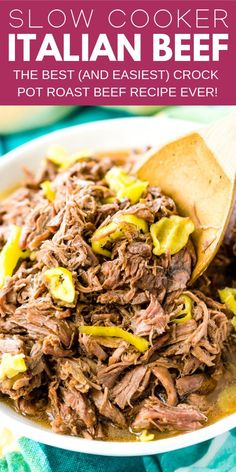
point(151, 320)
point(194, 383)
point(158, 414)
point(165, 378)
point(107, 409)
point(128, 386)
point(85, 384)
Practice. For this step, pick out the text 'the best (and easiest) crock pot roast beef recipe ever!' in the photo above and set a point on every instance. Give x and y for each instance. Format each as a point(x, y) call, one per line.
point(99, 332)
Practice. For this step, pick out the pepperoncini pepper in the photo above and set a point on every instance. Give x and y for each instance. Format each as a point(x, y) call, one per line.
point(139, 223)
point(109, 200)
point(145, 436)
point(48, 192)
point(186, 313)
point(117, 178)
point(115, 332)
point(171, 234)
point(103, 235)
point(62, 159)
point(228, 296)
point(11, 366)
point(60, 284)
point(11, 254)
point(115, 230)
point(124, 185)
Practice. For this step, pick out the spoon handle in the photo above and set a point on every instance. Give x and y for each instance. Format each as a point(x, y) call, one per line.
point(198, 172)
point(220, 137)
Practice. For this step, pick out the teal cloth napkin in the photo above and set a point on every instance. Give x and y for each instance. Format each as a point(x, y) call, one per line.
point(199, 114)
point(218, 455)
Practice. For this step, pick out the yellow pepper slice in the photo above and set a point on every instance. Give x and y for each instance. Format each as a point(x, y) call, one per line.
point(132, 192)
point(125, 186)
point(73, 158)
point(57, 155)
point(115, 332)
point(48, 192)
point(117, 178)
point(113, 231)
point(140, 223)
point(228, 296)
point(233, 322)
point(103, 235)
point(109, 200)
point(171, 234)
point(61, 158)
point(145, 436)
point(186, 313)
point(60, 284)
point(12, 365)
point(11, 254)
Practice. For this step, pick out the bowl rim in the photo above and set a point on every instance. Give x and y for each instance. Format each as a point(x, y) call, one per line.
point(63, 132)
point(37, 432)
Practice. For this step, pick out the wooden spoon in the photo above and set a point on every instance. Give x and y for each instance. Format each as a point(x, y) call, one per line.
point(198, 172)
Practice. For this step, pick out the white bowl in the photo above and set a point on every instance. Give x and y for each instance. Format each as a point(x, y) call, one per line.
point(102, 135)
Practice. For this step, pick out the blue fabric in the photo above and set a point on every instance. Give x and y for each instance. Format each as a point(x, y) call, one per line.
point(80, 115)
point(218, 455)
